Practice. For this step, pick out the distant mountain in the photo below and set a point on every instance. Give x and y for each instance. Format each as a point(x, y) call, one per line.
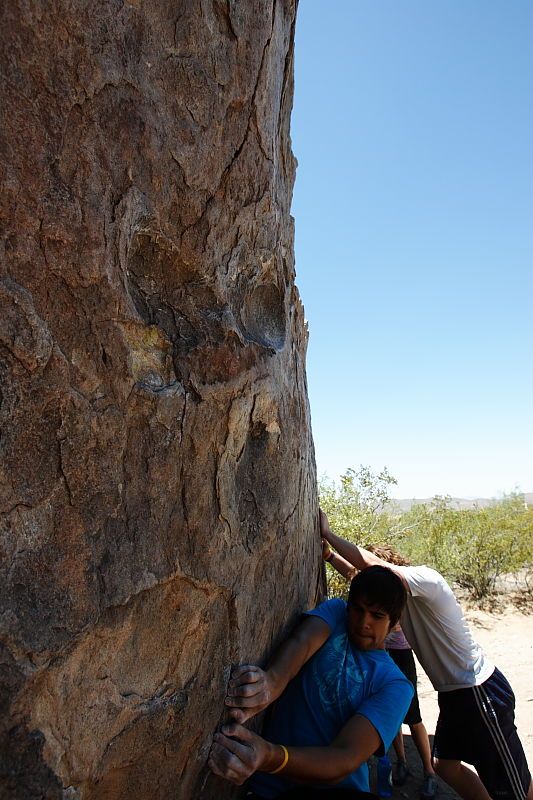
point(458, 502)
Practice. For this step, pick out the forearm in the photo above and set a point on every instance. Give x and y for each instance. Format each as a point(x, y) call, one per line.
point(353, 746)
point(292, 654)
point(327, 765)
point(238, 752)
point(356, 556)
point(252, 689)
point(345, 568)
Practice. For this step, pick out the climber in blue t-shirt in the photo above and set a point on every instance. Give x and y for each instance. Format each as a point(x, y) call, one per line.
point(337, 698)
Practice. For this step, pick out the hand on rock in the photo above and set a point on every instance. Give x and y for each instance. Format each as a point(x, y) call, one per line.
point(250, 690)
point(326, 550)
point(325, 530)
point(236, 753)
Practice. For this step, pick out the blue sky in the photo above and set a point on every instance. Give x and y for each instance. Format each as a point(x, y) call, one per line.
point(413, 129)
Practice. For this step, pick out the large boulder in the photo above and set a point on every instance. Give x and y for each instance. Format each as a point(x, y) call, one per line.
point(157, 479)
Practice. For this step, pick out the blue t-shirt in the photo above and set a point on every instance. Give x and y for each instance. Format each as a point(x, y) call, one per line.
point(336, 683)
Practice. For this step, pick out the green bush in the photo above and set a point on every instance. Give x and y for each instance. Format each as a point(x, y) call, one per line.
point(471, 547)
point(357, 511)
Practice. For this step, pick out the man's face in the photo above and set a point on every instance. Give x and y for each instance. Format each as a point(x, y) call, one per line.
point(368, 625)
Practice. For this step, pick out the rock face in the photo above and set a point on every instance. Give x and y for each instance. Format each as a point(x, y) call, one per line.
point(157, 480)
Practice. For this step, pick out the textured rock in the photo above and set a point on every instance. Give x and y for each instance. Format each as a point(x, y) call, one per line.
point(157, 481)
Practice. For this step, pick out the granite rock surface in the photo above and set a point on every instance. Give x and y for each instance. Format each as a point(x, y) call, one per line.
point(157, 480)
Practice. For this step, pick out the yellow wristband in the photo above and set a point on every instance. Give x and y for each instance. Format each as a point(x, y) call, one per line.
point(283, 763)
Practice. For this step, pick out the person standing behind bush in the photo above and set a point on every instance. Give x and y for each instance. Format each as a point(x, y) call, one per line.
point(476, 702)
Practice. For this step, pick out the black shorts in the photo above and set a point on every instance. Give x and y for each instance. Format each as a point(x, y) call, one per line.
point(405, 661)
point(476, 725)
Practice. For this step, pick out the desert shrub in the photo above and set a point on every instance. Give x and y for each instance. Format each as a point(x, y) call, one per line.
point(357, 511)
point(428, 534)
point(337, 585)
point(471, 547)
point(497, 540)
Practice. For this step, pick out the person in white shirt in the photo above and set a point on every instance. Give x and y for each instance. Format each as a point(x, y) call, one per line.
point(476, 702)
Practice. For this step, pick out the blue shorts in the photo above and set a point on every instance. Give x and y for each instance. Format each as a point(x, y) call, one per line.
point(476, 725)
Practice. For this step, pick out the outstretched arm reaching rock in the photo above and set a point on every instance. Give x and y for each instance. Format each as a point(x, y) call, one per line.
point(339, 563)
point(251, 689)
point(358, 556)
point(237, 753)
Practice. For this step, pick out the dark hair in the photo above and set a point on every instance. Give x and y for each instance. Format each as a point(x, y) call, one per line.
point(381, 587)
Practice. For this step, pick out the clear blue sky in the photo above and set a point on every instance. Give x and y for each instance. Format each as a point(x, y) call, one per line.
point(413, 129)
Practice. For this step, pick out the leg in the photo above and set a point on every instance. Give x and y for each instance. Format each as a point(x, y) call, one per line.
point(476, 726)
point(399, 748)
point(506, 774)
point(420, 738)
point(464, 780)
point(400, 770)
point(405, 662)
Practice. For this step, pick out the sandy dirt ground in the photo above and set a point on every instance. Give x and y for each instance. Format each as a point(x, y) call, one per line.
point(506, 635)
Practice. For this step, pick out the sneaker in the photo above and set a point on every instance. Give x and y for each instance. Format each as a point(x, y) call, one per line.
point(429, 788)
point(400, 772)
